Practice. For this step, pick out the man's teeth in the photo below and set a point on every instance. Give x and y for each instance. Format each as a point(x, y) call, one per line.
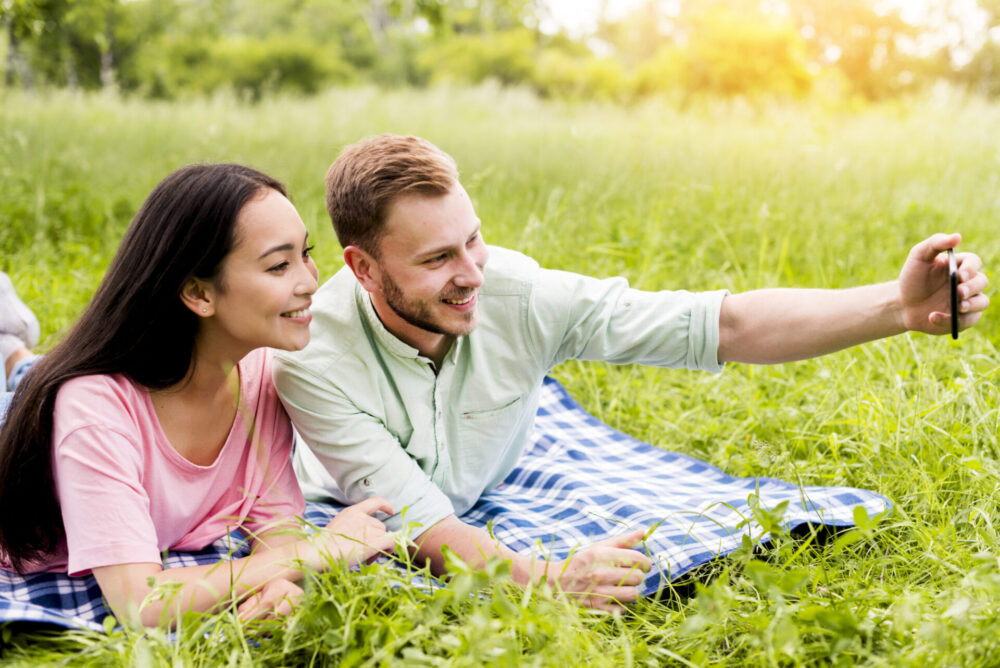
point(301, 313)
point(459, 301)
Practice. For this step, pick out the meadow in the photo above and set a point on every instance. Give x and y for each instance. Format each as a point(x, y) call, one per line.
point(725, 195)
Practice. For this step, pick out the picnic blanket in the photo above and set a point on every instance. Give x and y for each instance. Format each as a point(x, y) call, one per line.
point(578, 481)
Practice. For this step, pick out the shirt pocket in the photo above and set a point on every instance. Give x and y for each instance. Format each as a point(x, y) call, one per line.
point(487, 413)
point(485, 432)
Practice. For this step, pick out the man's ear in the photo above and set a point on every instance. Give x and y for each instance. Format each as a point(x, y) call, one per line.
point(365, 268)
point(197, 295)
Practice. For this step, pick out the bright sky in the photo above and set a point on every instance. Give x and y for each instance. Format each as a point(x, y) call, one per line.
point(579, 17)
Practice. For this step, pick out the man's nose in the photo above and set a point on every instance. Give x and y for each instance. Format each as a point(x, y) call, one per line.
point(470, 273)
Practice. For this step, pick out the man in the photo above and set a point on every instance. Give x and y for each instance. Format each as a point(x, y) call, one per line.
point(428, 351)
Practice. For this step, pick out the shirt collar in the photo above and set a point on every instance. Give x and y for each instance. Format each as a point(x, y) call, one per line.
point(390, 341)
point(386, 339)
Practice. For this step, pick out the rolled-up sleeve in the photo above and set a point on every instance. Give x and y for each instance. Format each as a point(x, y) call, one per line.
point(356, 449)
point(578, 317)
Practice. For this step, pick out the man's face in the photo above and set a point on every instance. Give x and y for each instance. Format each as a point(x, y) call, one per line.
point(431, 259)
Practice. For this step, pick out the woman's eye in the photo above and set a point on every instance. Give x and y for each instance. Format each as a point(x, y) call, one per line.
point(281, 266)
point(308, 251)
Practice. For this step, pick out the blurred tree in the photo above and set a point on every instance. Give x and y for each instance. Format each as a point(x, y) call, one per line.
point(250, 46)
point(664, 72)
point(975, 57)
point(727, 47)
point(508, 57)
point(744, 52)
point(862, 39)
point(479, 17)
point(80, 42)
point(23, 21)
point(740, 46)
point(640, 34)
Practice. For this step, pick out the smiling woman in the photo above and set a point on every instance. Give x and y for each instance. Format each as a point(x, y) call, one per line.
point(262, 294)
point(154, 424)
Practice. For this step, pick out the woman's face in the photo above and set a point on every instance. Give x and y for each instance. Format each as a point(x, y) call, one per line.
point(264, 289)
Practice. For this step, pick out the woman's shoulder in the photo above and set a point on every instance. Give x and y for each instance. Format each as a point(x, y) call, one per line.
point(258, 390)
point(255, 372)
point(99, 399)
point(99, 385)
point(255, 378)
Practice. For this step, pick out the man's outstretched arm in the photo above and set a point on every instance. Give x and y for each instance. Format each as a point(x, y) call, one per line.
point(781, 325)
point(600, 576)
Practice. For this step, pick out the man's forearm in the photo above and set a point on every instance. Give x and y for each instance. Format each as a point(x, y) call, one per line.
point(782, 325)
point(475, 546)
point(602, 575)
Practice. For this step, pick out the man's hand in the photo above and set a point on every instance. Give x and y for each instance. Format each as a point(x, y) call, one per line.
point(782, 325)
point(605, 574)
point(924, 290)
point(276, 597)
point(355, 535)
point(601, 576)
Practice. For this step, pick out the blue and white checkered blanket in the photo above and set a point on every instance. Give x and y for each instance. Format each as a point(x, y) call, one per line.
point(577, 482)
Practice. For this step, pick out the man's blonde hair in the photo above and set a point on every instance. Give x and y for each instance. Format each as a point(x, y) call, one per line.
point(368, 176)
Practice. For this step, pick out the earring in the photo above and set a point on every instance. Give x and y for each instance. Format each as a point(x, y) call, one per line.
point(204, 310)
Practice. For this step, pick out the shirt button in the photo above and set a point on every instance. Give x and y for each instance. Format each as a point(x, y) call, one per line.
point(366, 482)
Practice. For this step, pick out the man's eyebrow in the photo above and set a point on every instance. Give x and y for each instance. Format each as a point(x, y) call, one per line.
point(281, 247)
point(443, 249)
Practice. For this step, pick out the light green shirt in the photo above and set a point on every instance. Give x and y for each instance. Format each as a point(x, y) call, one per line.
point(380, 421)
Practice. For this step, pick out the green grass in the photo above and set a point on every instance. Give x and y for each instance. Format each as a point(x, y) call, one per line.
point(723, 197)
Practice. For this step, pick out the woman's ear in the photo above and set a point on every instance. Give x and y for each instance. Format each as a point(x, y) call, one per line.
point(197, 296)
point(365, 268)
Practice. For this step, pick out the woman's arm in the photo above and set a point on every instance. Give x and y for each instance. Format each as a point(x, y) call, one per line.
point(352, 536)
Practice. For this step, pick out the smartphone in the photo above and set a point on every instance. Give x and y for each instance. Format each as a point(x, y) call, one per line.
point(953, 281)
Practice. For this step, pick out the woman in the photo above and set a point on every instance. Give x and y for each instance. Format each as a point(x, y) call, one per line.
point(154, 424)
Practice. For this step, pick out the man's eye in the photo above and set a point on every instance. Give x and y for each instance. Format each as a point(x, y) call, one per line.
point(436, 258)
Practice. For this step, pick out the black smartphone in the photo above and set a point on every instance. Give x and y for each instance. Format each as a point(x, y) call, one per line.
point(953, 281)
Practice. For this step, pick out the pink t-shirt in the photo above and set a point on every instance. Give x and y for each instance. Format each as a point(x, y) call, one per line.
point(127, 495)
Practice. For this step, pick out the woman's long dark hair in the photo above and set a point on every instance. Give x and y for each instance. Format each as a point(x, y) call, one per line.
point(135, 325)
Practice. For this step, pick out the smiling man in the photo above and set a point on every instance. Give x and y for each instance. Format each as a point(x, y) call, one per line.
point(428, 351)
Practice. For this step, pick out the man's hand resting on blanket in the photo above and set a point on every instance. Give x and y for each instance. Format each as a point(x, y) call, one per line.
point(603, 575)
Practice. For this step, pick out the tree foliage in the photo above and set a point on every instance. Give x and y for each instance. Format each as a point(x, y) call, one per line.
point(747, 48)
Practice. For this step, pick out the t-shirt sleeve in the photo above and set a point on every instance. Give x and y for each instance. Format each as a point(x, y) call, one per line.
point(571, 316)
point(357, 450)
point(105, 509)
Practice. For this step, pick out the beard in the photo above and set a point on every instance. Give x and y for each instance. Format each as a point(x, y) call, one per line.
point(419, 314)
